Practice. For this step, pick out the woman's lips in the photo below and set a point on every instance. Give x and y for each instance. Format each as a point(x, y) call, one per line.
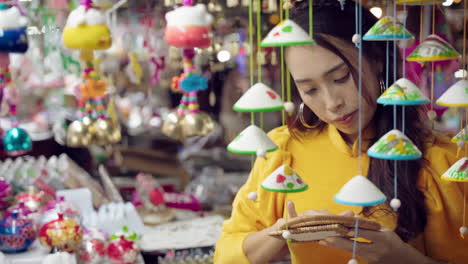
point(346, 120)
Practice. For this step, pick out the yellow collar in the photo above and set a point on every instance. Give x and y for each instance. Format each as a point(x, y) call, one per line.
point(339, 142)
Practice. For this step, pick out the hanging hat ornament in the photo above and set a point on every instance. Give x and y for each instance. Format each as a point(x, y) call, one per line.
point(284, 179)
point(433, 48)
point(419, 2)
point(252, 141)
point(188, 27)
point(13, 39)
point(394, 146)
point(403, 92)
point(86, 31)
point(387, 29)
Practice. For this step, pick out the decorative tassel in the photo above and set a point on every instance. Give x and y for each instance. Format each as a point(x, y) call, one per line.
point(232, 3)
point(272, 6)
point(288, 4)
point(274, 58)
point(168, 3)
point(261, 57)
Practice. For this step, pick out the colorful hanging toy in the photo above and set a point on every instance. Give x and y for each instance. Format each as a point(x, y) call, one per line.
point(13, 39)
point(86, 31)
point(188, 27)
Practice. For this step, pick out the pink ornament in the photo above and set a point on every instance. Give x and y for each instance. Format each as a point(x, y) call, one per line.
point(4, 60)
point(63, 233)
point(93, 249)
point(6, 194)
point(122, 251)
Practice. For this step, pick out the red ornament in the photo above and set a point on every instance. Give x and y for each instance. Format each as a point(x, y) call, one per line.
point(271, 94)
point(280, 178)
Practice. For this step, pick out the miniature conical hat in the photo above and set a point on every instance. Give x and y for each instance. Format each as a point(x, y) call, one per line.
point(458, 172)
point(387, 29)
point(284, 179)
point(394, 146)
point(433, 48)
point(360, 191)
point(286, 33)
point(419, 2)
point(403, 92)
point(462, 135)
point(259, 98)
point(456, 95)
point(251, 140)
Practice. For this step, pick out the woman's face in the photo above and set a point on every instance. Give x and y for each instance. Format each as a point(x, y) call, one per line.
point(327, 87)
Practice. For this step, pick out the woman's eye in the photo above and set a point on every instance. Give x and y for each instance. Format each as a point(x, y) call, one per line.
point(311, 91)
point(344, 78)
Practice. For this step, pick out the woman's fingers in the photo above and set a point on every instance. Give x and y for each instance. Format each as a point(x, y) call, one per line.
point(347, 213)
point(291, 209)
point(337, 242)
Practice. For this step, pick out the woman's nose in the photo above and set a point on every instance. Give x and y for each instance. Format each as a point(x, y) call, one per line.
point(334, 102)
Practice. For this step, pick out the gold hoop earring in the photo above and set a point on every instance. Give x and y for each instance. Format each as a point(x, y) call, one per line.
point(301, 118)
point(382, 86)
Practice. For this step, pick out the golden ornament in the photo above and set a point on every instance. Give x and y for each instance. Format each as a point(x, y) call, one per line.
point(197, 124)
point(78, 134)
point(172, 126)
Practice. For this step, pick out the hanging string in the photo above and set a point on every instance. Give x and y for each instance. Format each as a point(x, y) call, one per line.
point(259, 39)
point(288, 76)
point(311, 18)
point(283, 113)
point(395, 163)
point(432, 63)
point(387, 63)
point(464, 207)
point(465, 18)
point(251, 54)
point(359, 18)
point(251, 44)
point(405, 42)
point(421, 24)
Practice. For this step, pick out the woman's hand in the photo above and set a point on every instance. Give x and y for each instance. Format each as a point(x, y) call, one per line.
point(386, 247)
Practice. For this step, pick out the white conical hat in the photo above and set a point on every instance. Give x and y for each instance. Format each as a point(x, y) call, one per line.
point(403, 92)
point(394, 146)
point(250, 141)
point(387, 29)
point(284, 179)
point(360, 191)
point(456, 95)
point(419, 2)
point(462, 135)
point(433, 48)
point(286, 33)
point(458, 172)
point(259, 98)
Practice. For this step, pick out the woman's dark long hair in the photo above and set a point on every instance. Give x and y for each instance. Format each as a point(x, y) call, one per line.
point(330, 20)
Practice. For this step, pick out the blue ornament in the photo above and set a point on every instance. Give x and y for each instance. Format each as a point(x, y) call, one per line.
point(16, 233)
point(194, 83)
point(14, 40)
point(17, 141)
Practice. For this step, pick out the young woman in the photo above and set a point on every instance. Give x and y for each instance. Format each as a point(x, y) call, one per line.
point(320, 144)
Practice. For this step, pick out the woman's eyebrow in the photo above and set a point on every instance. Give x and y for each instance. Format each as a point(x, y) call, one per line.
point(331, 70)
